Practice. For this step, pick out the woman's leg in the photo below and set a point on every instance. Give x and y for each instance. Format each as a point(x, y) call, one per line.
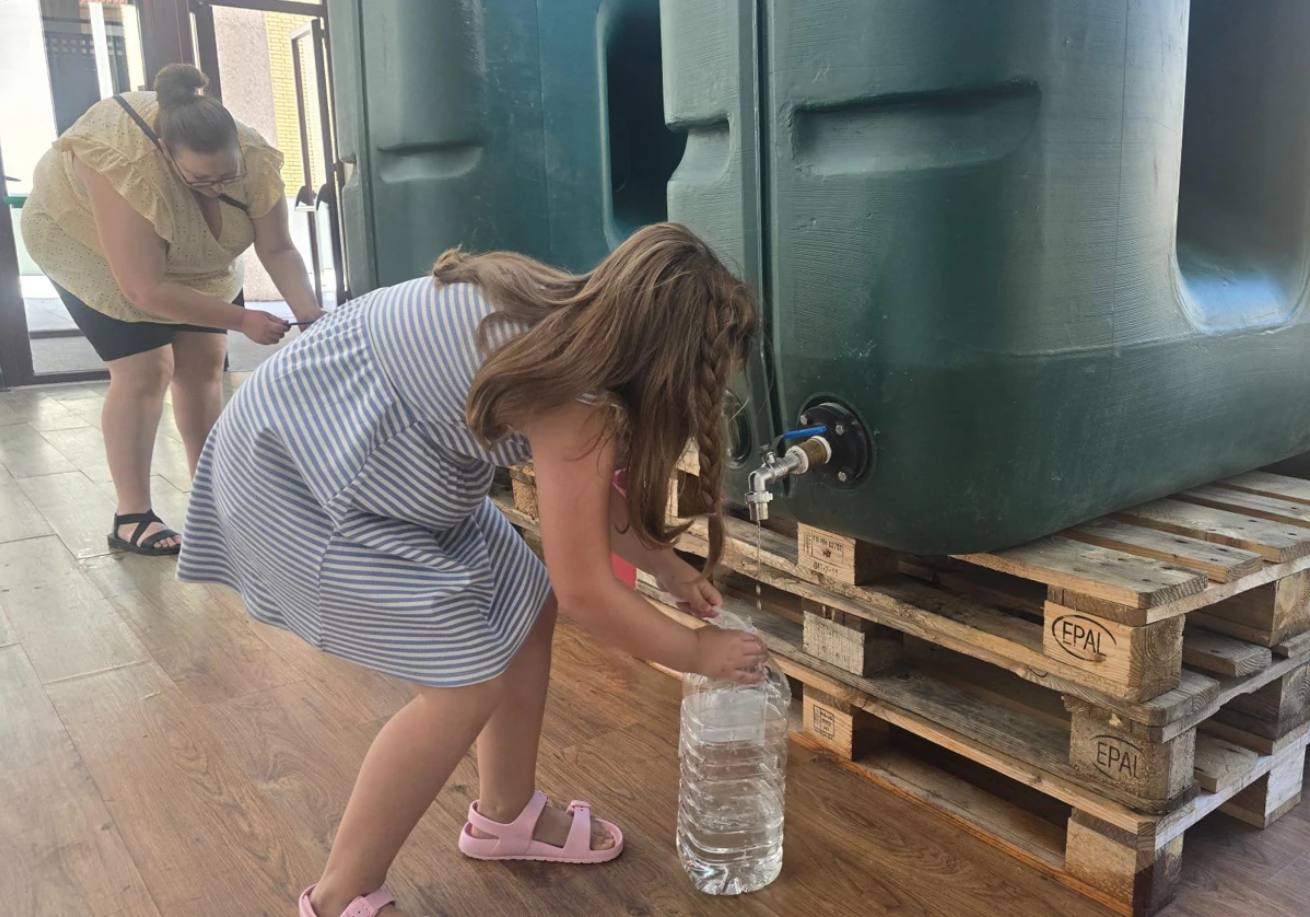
point(507, 747)
point(129, 421)
point(197, 387)
point(405, 768)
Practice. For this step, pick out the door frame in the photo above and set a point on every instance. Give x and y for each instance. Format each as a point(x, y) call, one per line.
point(167, 37)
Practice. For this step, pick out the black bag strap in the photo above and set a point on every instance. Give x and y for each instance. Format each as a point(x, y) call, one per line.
point(154, 138)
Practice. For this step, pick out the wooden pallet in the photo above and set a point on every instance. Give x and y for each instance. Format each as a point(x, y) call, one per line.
point(1013, 735)
point(1136, 752)
point(1120, 591)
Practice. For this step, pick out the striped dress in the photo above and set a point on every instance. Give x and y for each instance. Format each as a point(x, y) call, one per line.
point(344, 496)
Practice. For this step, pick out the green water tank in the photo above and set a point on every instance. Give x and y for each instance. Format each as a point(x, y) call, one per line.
point(532, 125)
point(1051, 255)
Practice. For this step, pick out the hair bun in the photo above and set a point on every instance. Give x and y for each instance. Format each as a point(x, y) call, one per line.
point(179, 84)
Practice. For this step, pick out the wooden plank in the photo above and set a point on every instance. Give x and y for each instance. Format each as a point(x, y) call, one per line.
point(1202, 804)
point(1102, 573)
point(76, 509)
point(845, 730)
point(1218, 727)
point(1283, 512)
point(84, 447)
point(840, 557)
point(1220, 764)
point(66, 628)
point(1276, 709)
point(19, 519)
point(207, 650)
point(1273, 795)
point(1212, 595)
point(1220, 563)
point(1267, 614)
point(1221, 655)
point(61, 851)
point(525, 497)
point(1265, 484)
point(1145, 877)
point(41, 411)
point(1274, 542)
point(1294, 647)
point(1139, 662)
point(9, 415)
point(25, 453)
point(190, 819)
point(689, 460)
point(1230, 688)
point(1110, 751)
point(863, 648)
point(909, 777)
point(169, 461)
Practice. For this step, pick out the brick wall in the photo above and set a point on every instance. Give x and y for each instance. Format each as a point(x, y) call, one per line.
point(278, 27)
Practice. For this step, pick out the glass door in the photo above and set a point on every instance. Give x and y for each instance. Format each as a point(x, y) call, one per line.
point(267, 61)
point(57, 58)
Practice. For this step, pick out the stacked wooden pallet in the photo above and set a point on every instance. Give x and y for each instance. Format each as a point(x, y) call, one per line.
point(1087, 698)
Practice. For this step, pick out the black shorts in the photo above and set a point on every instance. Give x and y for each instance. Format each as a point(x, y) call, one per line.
point(114, 339)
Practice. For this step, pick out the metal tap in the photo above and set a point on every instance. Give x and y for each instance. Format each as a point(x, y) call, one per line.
point(798, 459)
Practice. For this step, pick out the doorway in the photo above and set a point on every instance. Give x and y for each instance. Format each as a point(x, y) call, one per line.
point(266, 59)
point(57, 59)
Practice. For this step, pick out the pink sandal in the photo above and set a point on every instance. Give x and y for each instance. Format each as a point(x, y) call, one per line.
point(515, 842)
point(363, 906)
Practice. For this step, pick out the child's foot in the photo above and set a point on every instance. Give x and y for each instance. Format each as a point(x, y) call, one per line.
point(552, 827)
point(328, 905)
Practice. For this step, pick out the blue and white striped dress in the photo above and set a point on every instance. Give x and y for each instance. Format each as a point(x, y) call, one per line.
point(344, 496)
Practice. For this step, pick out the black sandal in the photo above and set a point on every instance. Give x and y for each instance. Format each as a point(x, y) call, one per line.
point(135, 545)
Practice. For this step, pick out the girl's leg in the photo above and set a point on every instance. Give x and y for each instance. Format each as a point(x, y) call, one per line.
point(405, 768)
point(129, 422)
point(507, 747)
point(197, 387)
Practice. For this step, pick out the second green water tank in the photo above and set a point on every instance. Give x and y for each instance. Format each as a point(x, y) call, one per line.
point(532, 125)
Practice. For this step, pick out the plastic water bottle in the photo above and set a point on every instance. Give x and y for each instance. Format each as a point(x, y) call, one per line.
point(733, 754)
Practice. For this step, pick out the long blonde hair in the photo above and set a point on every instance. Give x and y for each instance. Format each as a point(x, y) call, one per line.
point(656, 327)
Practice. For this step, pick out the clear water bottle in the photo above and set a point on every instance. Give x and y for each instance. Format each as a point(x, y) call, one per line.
point(733, 755)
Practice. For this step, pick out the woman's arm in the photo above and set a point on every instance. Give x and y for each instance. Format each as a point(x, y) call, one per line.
point(573, 496)
point(283, 262)
point(136, 258)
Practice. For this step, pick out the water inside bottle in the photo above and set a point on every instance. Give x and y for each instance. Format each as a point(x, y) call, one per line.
point(733, 755)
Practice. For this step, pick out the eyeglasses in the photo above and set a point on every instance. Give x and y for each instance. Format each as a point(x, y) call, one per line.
point(201, 184)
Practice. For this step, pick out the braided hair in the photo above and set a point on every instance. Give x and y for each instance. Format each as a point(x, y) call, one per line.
point(655, 330)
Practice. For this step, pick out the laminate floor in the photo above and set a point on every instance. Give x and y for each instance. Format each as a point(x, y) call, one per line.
point(162, 754)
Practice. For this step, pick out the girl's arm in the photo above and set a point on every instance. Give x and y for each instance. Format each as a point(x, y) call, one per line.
point(283, 262)
point(694, 592)
point(574, 475)
point(136, 258)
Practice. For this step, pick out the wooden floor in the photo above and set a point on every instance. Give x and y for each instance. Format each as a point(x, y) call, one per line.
point(162, 754)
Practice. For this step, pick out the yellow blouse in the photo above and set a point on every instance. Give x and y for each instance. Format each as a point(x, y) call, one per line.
point(59, 226)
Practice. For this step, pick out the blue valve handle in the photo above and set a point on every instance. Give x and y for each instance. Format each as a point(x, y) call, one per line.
point(815, 430)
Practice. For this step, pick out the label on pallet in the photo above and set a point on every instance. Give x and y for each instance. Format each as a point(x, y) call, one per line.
point(829, 555)
point(1082, 637)
point(1116, 757)
point(823, 722)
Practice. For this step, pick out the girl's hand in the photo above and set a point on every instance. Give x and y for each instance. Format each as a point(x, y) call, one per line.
point(693, 592)
point(729, 655)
